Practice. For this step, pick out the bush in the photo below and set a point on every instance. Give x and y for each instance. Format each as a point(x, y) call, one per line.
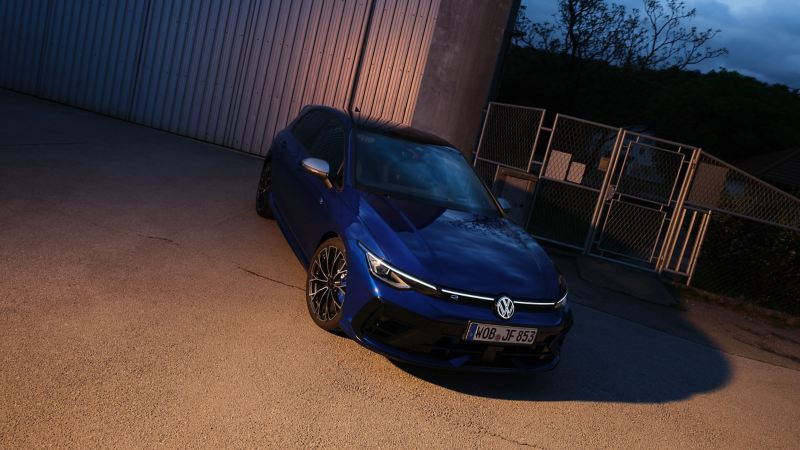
point(752, 262)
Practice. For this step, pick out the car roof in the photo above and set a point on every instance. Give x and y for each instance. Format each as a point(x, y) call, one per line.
point(382, 127)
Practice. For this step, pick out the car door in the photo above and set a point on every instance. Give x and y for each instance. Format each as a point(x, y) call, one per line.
point(282, 160)
point(290, 149)
point(313, 207)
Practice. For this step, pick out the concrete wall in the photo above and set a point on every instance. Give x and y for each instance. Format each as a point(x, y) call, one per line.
point(460, 67)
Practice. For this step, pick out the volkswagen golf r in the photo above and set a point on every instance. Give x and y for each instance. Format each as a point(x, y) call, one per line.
point(406, 250)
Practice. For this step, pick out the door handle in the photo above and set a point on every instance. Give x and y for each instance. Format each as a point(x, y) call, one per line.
point(321, 200)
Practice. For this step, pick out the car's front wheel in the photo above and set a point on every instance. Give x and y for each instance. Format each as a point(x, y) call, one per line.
point(262, 193)
point(326, 284)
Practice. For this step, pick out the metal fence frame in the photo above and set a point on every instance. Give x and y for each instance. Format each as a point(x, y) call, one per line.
point(671, 206)
point(680, 236)
point(702, 227)
point(795, 226)
point(602, 191)
point(481, 141)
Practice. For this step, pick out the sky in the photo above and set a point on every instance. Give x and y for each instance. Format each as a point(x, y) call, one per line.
point(762, 36)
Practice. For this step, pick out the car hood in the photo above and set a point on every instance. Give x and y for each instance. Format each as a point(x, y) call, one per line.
point(459, 250)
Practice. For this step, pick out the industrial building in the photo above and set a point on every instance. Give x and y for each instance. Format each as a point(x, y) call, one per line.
point(235, 72)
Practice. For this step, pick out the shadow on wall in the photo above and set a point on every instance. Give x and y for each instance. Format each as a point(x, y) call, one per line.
point(605, 359)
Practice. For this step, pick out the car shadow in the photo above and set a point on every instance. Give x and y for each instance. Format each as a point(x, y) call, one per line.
point(605, 359)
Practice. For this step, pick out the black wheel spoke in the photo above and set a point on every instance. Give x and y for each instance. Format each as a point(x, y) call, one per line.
point(327, 283)
point(327, 314)
point(329, 311)
point(263, 190)
point(324, 263)
point(328, 257)
point(266, 180)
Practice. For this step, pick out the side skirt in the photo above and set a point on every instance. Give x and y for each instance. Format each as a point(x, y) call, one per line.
point(287, 234)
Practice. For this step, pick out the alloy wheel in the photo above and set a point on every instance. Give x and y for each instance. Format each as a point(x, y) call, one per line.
point(327, 283)
point(262, 193)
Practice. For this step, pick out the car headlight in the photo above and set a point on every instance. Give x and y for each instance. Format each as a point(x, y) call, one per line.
point(394, 277)
point(562, 302)
point(562, 292)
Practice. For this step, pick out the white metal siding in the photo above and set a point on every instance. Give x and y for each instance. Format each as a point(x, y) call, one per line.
point(230, 72)
point(395, 58)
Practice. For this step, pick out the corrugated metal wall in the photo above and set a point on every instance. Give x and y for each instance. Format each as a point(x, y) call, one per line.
point(191, 57)
point(90, 53)
point(395, 56)
point(23, 26)
point(230, 72)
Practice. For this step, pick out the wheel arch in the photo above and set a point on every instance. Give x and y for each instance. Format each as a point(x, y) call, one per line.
point(326, 236)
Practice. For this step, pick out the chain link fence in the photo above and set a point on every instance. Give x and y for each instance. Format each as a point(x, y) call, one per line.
point(751, 261)
point(579, 151)
point(643, 195)
point(650, 173)
point(721, 187)
point(575, 166)
point(631, 231)
point(645, 201)
point(508, 139)
point(562, 213)
point(751, 249)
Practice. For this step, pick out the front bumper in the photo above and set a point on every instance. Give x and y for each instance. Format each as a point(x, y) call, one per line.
point(406, 336)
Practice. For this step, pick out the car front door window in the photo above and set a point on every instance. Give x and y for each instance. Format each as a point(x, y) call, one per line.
point(329, 146)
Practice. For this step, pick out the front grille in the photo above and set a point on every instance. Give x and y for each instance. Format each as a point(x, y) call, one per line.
point(413, 334)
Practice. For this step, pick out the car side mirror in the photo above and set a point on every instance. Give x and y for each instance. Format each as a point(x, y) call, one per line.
point(504, 205)
point(318, 168)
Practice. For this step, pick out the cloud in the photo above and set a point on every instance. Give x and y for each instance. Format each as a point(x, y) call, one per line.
point(762, 36)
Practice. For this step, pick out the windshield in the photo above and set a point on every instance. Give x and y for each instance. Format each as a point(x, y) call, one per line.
point(426, 173)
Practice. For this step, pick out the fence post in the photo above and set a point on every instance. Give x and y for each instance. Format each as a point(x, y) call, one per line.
point(601, 198)
point(480, 140)
point(541, 169)
point(673, 229)
point(549, 144)
point(535, 141)
point(698, 245)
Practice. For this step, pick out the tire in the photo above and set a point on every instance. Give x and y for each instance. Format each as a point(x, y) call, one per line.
point(326, 284)
point(264, 188)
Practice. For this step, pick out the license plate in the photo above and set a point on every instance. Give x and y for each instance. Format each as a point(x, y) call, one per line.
point(485, 332)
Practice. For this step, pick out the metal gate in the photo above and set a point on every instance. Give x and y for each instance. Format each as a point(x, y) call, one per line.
point(612, 193)
point(572, 177)
point(635, 223)
point(690, 231)
point(508, 139)
point(642, 201)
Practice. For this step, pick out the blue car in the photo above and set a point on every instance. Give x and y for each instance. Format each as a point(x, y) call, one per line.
point(406, 250)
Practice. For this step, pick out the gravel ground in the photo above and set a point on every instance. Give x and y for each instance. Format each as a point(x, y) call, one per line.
point(144, 304)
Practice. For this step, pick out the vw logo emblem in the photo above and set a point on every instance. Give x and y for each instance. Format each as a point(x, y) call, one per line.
point(504, 307)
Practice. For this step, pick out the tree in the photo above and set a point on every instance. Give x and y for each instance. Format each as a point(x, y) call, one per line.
point(667, 43)
point(655, 37)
